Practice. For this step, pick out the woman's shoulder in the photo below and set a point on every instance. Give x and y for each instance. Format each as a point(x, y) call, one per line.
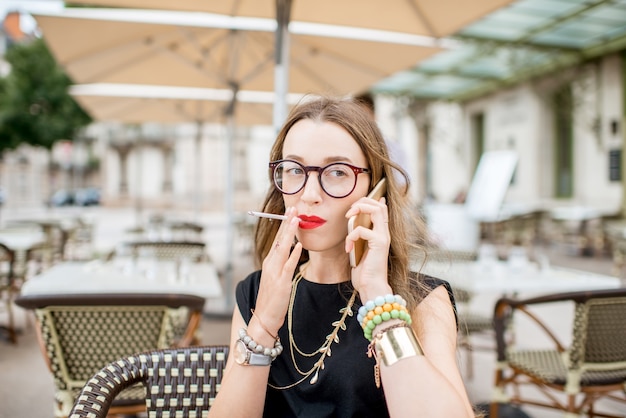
point(432, 283)
point(429, 283)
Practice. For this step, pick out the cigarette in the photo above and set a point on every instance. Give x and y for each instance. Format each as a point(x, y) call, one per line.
point(267, 215)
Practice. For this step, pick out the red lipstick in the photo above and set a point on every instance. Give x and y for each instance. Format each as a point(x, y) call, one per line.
point(310, 222)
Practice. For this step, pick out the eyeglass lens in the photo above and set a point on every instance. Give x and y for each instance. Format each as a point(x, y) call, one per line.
point(337, 180)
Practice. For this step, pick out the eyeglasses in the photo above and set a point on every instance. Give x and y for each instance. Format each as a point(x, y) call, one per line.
point(337, 179)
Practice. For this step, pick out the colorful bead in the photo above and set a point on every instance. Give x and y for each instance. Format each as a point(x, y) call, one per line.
point(381, 309)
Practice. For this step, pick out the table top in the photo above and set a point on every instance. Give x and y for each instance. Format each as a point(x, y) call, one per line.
point(576, 213)
point(21, 240)
point(527, 278)
point(200, 279)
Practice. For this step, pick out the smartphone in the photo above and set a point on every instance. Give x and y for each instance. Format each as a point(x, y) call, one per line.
point(364, 219)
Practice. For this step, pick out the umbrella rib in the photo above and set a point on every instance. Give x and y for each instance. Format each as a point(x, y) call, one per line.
point(356, 66)
point(264, 59)
point(423, 18)
point(115, 49)
point(204, 60)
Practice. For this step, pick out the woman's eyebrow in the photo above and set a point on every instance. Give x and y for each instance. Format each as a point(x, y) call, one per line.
point(327, 160)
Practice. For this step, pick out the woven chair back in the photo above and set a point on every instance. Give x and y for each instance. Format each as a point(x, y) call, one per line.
point(171, 250)
point(181, 382)
point(599, 332)
point(81, 333)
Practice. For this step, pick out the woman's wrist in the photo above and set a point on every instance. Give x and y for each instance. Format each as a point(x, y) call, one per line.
point(260, 335)
point(371, 292)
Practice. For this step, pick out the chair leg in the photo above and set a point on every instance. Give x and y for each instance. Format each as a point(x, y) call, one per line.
point(10, 327)
point(494, 409)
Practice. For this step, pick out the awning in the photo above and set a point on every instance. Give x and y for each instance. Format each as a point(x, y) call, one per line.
point(525, 39)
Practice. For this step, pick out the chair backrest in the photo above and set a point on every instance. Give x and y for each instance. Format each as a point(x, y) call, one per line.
point(80, 333)
point(598, 331)
point(170, 250)
point(599, 334)
point(7, 260)
point(179, 382)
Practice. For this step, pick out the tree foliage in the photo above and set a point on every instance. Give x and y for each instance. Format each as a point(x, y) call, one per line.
point(35, 106)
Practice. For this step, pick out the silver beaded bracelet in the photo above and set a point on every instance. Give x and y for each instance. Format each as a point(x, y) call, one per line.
point(258, 348)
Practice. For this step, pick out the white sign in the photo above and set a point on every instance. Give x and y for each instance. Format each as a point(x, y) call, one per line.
point(491, 181)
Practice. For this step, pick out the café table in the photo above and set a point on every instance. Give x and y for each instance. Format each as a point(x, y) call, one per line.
point(507, 278)
point(96, 276)
point(488, 280)
point(21, 239)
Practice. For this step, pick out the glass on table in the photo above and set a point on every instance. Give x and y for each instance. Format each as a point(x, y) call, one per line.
point(518, 259)
point(147, 262)
point(124, 259)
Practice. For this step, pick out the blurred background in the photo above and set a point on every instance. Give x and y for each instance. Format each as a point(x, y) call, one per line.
point(152, 120)
point(167, 113)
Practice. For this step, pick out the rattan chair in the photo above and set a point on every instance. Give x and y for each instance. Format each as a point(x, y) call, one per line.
point(170, 250)
point(79, 334)
point(179, 382)
point(8, 291)
point(572, 378)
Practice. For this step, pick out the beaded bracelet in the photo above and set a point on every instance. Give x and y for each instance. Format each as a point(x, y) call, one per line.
point(381, 309)
point(258, 348)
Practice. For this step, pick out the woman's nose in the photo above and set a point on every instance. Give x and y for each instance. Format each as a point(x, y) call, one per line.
point(312, 189)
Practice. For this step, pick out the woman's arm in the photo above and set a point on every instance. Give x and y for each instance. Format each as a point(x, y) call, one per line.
point(429, 385)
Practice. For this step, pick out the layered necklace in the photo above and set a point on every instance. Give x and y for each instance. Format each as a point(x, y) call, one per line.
point(324, 350)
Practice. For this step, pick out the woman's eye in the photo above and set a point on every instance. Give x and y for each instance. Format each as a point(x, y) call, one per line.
point(336, 172)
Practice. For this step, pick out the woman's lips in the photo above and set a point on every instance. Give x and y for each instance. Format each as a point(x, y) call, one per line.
point(310, 222)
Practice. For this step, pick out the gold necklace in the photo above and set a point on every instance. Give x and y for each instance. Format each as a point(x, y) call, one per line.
point(324, 350)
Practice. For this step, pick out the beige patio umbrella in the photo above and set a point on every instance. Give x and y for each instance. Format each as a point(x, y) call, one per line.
point(435, 19)
point(214, 51)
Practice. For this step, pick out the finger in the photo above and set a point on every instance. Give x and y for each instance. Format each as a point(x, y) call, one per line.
point(292, 261)
point(285, 237)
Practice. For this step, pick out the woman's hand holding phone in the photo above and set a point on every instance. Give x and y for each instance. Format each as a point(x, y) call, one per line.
point(368, 225)
point(364, 219)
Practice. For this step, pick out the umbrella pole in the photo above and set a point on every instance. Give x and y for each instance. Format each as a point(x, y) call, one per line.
point(281, 68)
point(197, 199)
point(138, 181)
point(230, 214)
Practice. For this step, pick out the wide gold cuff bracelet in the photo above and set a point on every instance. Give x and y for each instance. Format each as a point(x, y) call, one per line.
point(397, 343)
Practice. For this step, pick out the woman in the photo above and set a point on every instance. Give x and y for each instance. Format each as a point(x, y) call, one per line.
point(315, 358)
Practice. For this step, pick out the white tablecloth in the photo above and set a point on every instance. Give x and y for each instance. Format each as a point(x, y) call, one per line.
point(201, 279)
point(504, 278)
point(21, 240)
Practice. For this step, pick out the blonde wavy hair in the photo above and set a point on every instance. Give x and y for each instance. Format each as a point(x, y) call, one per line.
point(406, 227)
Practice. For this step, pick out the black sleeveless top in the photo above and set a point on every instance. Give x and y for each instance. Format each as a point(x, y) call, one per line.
point(345, 387)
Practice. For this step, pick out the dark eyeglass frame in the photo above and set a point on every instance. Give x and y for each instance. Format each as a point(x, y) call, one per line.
point(309, 168)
